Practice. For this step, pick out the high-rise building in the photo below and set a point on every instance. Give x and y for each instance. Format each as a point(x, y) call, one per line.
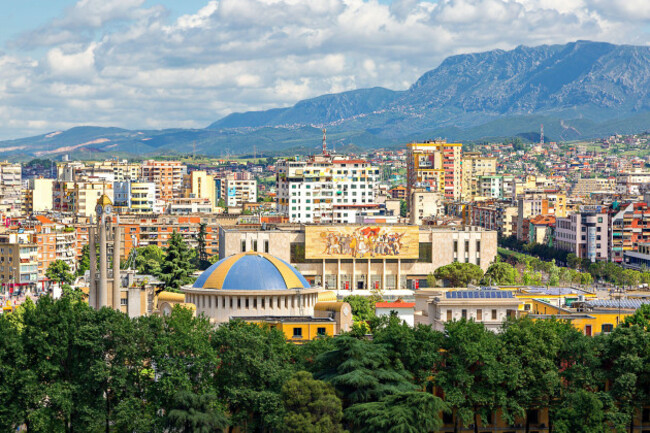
point(168, 177)
point(39, 195)
point(310, 191)
point(584, 234)
point(199, 184)
point(629, 230)
point(11, 198)
point(475, 165)
point(18, 260)
point(133, 196)
point(436, 164)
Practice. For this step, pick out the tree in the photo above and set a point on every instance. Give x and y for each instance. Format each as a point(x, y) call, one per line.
point(626, 356)
point(72, 293)
point(149, 259)
point(202, 262)
point(196, 413)
point(311, 406)
point(177, 267)
point(361, 371)
point(415, 349)
point(470, 372)
point(363, 307)
point(59, 271)
point(459, 274)
point(431, 280)
point(573, 261)
point(254, 364)
point(84, 262)
point(408, 412)
point(582, 412)
point(500, 273)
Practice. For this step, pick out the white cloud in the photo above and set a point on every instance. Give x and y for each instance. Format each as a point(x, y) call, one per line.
point(117, 62)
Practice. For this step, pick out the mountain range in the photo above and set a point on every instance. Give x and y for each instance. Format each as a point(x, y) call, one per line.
point(578, 90)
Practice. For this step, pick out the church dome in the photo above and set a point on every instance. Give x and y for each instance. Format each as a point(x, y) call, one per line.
point(251, 271)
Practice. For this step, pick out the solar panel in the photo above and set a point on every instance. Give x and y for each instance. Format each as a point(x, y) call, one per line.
point(479, 294)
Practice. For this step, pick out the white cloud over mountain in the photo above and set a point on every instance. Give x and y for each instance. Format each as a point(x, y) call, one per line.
point(119, 63)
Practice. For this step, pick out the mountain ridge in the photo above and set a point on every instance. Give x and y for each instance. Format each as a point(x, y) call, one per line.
point(582, 89)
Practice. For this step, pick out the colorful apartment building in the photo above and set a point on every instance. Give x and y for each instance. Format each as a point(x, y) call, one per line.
point(436, 164)
point(630, 227)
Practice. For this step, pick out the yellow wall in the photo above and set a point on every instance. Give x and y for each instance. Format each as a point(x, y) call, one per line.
point(309, 330)
point(596, 319)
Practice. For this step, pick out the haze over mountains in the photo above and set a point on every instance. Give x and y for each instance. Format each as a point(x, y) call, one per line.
point(578, 90)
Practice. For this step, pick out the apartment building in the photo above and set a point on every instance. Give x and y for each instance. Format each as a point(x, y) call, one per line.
point(437, 164)
point(18, 261)
point(535, 203)
point(235, 191)
point(168, 177)
point(585, 234)
point(315, 191)
point(11, 198)
point(425, 204)
point(199, 184)
point(39, 195)
point(475, 165)
point(133, 196)
point(630, 228)
point(497, 186)
point(633, 182)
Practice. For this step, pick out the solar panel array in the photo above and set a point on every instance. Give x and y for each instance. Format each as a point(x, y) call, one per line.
point(479, 294)
point(628, 304)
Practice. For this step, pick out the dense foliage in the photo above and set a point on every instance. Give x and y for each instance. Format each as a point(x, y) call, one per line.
point(65, 367)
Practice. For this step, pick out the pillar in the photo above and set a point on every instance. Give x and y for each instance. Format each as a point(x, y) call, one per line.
point(117, 281)
point(92, 254)
point(103, 265)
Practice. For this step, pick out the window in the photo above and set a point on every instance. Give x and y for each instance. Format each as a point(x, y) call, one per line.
point(449, 316)
point(321, 331)
point(243, 245)
point(607, 328)
point(247, 303)
point(123, 301)
point(297, 332)
point(494, 314)
point(266, 246)
point(255, 245)
point(479, 315)
point(463, 314)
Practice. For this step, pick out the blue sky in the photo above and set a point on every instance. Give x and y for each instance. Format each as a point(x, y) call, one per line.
point(163, 63)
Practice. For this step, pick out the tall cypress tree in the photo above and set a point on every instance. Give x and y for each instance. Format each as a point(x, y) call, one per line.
point(178, 266)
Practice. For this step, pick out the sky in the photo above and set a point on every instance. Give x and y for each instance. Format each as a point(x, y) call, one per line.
point(152, 64)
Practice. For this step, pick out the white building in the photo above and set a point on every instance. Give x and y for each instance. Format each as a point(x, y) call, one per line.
point(425, 204)
point(436, 307)
point(134, 196)
point(10, 188)
point(404, 310)
point(310, 191)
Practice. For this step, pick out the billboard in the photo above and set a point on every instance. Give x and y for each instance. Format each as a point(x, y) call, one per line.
point(362, 242)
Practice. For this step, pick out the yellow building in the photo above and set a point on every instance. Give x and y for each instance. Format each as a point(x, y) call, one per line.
point(435, 165)
point(39, 195)
point(199, 184)
point(474, 165)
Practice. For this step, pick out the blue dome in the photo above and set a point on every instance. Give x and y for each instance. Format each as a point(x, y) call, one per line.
point(251, 271)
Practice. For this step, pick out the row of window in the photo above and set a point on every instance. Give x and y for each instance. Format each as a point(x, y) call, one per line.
point(254, 246)
point(479, 315)
point(247, 303)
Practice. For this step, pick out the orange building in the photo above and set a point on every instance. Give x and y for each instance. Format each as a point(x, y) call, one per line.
point(168, 177)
